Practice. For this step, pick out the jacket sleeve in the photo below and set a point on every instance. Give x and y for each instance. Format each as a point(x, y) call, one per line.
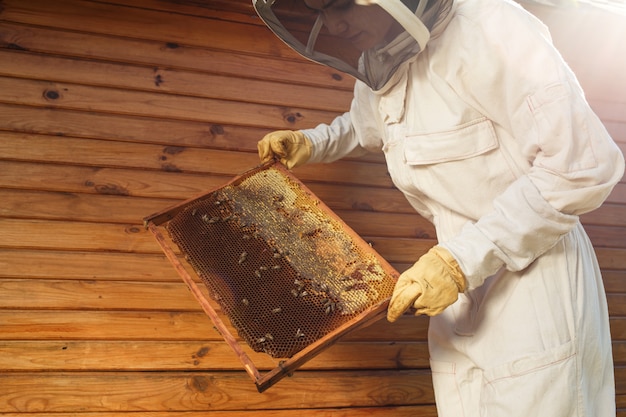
point(332, 141)
point(353, 133)
point(510, 71)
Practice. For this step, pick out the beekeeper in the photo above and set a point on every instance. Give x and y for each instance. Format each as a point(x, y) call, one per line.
point(487, 133)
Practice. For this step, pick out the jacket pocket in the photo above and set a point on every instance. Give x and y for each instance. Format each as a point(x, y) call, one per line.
point(544, 384)
point(462, 169)
point(465, 141)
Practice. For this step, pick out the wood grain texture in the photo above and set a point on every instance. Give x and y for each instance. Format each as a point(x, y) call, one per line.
point(124, 355)
point(217, 391)
point(113, 110)
point(404, 411)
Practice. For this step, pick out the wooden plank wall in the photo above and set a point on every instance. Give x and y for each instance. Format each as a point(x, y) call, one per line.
point(111, 110)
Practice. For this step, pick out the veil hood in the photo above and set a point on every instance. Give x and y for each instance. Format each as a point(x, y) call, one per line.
point(302, 30)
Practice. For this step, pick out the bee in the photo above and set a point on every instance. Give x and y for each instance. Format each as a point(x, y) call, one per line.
point(242, 257)
point(261, 340)
point(194, 211)
point(311, 233)
point(299, 334)
point(294, 292)
point(329, 306)
point(246, 237)
point(263, 268)
point(268, 336)
point(277, 310)
point(245, 301)
point(276, 267)
point(257, 273)
point(299, 284)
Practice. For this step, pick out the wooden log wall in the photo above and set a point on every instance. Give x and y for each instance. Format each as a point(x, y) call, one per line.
point(112, 110)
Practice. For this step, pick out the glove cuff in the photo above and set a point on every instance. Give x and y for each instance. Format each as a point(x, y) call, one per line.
point(301, 152)
point(451, 266)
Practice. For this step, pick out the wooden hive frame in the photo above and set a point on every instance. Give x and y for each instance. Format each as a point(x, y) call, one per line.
point(156, 223)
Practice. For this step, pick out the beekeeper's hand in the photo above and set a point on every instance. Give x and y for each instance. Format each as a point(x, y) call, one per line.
point(429, 286)
point(291, 147)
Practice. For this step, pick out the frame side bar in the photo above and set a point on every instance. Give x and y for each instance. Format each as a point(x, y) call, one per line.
point(206, 306)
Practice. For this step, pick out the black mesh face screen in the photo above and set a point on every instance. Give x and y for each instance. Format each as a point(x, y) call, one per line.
point(282, 269)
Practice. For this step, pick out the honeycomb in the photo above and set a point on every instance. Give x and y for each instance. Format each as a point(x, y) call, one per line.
point(282, 267)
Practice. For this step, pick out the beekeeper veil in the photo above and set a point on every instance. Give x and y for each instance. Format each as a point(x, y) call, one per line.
point(303, 29)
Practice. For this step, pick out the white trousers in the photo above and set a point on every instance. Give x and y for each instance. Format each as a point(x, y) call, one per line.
point(531, 343)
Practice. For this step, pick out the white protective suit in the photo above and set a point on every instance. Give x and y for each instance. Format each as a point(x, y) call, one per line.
point(489, 136)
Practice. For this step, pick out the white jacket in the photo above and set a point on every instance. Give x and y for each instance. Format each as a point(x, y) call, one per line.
point(488, 134)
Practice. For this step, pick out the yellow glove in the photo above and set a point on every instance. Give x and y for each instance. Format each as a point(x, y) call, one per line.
point(429, 286)
point(290, 146)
